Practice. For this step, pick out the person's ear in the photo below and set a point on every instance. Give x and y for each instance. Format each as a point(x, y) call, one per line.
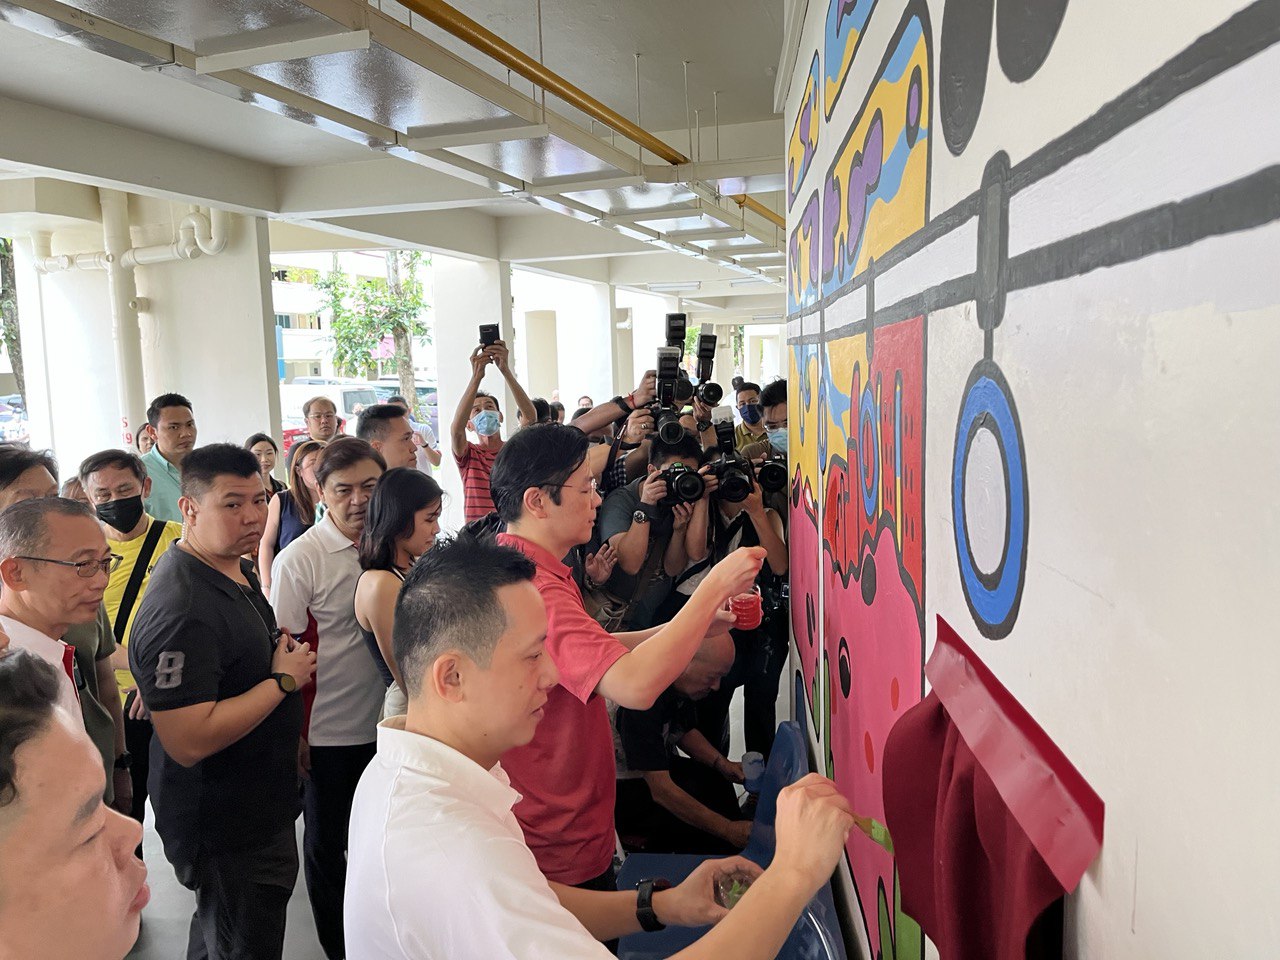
point(146, 488)
point(536, 503)
point(13, 573)
point(446, 677)
point(151, 431)
point(186, 506)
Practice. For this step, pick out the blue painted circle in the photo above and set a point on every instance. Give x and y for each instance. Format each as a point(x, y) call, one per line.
point(993, 598)
point(867, 411)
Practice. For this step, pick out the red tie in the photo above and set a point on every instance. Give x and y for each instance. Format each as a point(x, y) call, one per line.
point(69, 666)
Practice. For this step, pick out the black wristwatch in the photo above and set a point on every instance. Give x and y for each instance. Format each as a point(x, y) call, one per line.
point(702, 425)
point(639, 517)
point(285, 682)
point(649, 921)
point(622, 405)
point(124, 761)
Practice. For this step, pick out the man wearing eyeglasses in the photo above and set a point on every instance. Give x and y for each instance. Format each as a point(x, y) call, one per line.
point(751, 429)
point(171, 423)
point(55, 565)
point(321, 416)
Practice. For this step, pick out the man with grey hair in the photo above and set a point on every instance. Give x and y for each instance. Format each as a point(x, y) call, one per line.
point(433, 809)
point(55, 565)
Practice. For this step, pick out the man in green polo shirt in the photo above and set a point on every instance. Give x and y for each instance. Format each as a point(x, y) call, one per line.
point(172, 425)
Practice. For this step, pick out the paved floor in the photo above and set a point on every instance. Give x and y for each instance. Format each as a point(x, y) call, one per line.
point(167, 919)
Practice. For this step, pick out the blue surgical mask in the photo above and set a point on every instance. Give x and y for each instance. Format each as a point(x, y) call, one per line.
point(751, 413)
point(778, 440)
point(486, 422)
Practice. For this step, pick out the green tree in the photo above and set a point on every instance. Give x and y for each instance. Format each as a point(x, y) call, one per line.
point(9, 333)
point(367, 311)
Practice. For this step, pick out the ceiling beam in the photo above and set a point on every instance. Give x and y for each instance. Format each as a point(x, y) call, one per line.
point(295, 42)
point(446, 135)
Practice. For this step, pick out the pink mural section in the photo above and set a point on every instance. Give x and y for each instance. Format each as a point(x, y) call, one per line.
point(802, 527)
point(873, 580)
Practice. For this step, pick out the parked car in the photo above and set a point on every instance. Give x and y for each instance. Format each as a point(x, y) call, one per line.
point(428, 399)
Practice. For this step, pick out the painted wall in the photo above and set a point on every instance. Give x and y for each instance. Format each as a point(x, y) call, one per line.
point(1034, 338)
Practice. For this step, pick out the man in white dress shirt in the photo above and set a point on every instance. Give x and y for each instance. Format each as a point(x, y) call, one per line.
point(438, 865)
point(55, 565)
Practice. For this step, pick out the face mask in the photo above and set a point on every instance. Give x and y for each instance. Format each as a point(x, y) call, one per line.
point(486, 422)
point(123, 514)
point(778, 440)
point(751, 413)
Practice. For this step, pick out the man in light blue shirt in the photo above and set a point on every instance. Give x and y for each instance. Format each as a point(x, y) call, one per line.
point(172, 425)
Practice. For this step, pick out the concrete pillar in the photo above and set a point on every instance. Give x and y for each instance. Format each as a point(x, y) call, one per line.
point(541, 366)
point(67, 348)
point(724, 360)
point(123, 300)
point(467, 293)
point(622, 344)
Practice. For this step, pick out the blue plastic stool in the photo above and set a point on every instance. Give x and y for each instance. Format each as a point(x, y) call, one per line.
point(816, 935)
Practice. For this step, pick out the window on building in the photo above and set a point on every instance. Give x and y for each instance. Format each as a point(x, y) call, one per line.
point(284, 320)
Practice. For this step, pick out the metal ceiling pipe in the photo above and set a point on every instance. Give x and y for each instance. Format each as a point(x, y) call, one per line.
point(755, 206)
point(123, 295)
point(455, 22)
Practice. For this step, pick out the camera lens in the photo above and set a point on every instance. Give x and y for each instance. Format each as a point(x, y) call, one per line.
point(710, 393)
point(772, 476)
point(684, 485)
point(670, 429)
point(735, 484)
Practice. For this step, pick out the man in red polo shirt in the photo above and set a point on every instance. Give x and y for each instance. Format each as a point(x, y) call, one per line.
point(478, 411)
point(544, 490)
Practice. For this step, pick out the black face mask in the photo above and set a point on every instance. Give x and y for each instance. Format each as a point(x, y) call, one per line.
point(123, 514)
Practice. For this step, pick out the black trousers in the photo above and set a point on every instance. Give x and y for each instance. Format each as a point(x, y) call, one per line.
point(137, 740)
point(326, 812)
point(241, 899)
point(639, 817)
point(608, 882)
point(757, 668)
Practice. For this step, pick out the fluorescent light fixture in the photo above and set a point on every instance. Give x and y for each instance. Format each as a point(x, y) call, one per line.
point(684, 286)
point(748, 281)
point(768, 318)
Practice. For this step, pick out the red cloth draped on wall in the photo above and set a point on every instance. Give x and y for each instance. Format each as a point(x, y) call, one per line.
point(990, 822)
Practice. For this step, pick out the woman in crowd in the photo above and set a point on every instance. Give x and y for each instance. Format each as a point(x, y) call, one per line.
point(292, 511)
point(401, 525)
point(263, 447)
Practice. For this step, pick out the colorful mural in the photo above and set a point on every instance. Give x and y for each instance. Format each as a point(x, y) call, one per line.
point(802, 526)
point(846, 24)
point(802, 259)
point(876, 192)
point(804, 136)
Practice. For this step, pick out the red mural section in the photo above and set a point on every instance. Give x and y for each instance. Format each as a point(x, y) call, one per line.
point(873, 570)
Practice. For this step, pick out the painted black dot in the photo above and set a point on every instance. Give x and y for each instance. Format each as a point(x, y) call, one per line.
point(846, 669)
point(868, 579)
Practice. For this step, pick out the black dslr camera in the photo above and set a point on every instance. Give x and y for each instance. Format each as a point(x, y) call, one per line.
point(666, 408)
point(708, 392)
point(684, 485)
point(732, 470)
point(772, 474)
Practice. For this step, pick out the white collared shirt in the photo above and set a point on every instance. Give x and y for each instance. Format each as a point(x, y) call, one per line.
point(22, 637)
point(316, 574)
point(437, 866)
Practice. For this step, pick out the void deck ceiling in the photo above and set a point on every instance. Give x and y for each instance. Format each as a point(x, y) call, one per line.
point(392, 81)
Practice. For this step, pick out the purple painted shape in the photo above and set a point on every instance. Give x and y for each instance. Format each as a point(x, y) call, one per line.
point(913, 105)
point(845, 232)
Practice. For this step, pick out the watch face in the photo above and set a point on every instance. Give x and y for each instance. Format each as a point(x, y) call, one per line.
point(286, 682)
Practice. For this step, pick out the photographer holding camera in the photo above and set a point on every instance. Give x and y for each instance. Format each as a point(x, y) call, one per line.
point(733, 514)
point(645, 522)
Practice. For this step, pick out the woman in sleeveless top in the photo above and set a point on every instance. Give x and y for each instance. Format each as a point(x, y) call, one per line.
point(401, 524)
point(263, 446)
point(292, 511)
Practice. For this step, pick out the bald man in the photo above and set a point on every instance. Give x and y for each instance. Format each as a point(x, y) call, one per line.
point(669, 803)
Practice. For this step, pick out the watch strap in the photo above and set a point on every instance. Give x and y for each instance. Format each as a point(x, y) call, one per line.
point(645, 914)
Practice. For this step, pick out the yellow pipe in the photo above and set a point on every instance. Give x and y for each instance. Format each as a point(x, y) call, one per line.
point(455, 22)
point(755, 206)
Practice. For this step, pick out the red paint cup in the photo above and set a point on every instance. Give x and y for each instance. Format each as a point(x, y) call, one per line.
point(747, 609)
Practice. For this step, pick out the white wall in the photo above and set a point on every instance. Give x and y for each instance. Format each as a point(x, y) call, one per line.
point(583, 313)
point(1147, 390)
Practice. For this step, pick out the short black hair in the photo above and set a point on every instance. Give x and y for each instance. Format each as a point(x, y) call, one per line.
point(557, 405)
point(262, 438)
point(124, 459)
point(449, 602)
point(687, 447)
point(542, 410)
point(162, 402)
point(542, 455)
point(343, 452)
point(372, 422)
point(396, 398)
point(204, 465)
point(17, 458)
point(28, 694)
point(774, 394)
point(744, 386)
point(401, 492)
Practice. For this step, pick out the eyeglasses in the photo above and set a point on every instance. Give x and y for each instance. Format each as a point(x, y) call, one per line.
point(85, 569)
point(592, 489)
point(322, 416)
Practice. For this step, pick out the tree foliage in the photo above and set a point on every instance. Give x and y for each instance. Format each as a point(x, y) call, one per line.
point(9, 332)
point(367, 310)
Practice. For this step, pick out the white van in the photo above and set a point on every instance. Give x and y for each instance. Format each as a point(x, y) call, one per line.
point(348, 398)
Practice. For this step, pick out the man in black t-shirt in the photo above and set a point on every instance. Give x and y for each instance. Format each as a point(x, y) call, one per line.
point(666, 802)
point(221, 683)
